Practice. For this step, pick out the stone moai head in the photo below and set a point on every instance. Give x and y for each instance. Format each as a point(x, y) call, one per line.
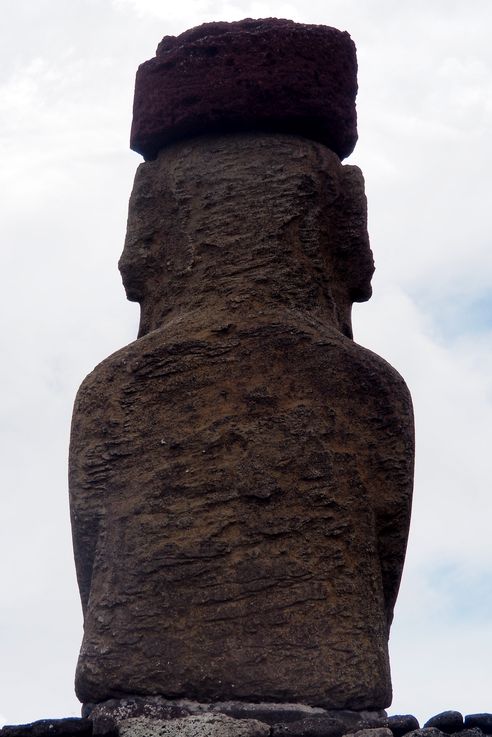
point(241, 474)
point(264, 78)
point(204, 204)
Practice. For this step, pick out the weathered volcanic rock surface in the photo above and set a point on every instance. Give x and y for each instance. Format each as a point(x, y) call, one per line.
point(241, 474)
point(154, 716)
point(289, 720)
point(69, 727)
point(447, 721)
point(400, 724)
point(482, 721)
point(249, 75)
point(204, 725)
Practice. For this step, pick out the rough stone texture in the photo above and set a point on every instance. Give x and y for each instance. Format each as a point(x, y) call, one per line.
point(265, 74)
point(157, 707)
point(150, 713)
point(446, 721)
point(426, 732)
point(205, 725)
point(106, 715)
point(483, 721)
point(269, 713)
point(374, 732)
point(314, 726)
point(69, 727)
point(368, 723)
point(362, 719)
point(298, 719)
point(241, 474)
point(400, 724)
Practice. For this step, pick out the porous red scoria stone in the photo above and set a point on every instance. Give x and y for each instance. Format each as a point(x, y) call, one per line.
point(265, 74)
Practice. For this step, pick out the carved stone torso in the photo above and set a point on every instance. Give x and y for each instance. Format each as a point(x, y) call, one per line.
point(241, 474)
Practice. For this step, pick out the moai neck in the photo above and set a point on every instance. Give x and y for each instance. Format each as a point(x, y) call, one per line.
point(247, 227)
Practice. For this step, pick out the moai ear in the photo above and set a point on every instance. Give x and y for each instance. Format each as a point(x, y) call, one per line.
point(134, 263)
point(353, 261)
point(152, 235)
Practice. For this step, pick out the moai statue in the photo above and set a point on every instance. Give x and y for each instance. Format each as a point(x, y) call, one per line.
point(241, 474)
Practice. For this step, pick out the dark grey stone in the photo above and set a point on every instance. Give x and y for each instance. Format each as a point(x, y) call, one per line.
point(367, 724)
point(483, 721)
point(315, 726)
point(69, 727)
point(373, 732)
point(310, 720)
point(446, 721)
point(197, 725)
point(472, 732)
point(400, 724)
point(267, 712)
point(108, 714)
point(426, 732)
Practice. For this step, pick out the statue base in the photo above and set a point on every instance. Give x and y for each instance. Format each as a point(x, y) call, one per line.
point(155, 715)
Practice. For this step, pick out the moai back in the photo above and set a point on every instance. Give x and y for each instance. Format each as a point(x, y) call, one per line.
point(241, 474)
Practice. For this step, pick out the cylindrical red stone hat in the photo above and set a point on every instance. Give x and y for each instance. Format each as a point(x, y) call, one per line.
point(270, 74)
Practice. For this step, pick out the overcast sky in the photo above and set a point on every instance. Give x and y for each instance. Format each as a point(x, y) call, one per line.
point(425, 119)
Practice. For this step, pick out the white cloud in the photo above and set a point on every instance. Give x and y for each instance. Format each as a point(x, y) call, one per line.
point(442, 617)
point(201, 10)
point(195, 12)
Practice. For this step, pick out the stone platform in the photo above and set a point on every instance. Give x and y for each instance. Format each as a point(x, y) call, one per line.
point(158, 717)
